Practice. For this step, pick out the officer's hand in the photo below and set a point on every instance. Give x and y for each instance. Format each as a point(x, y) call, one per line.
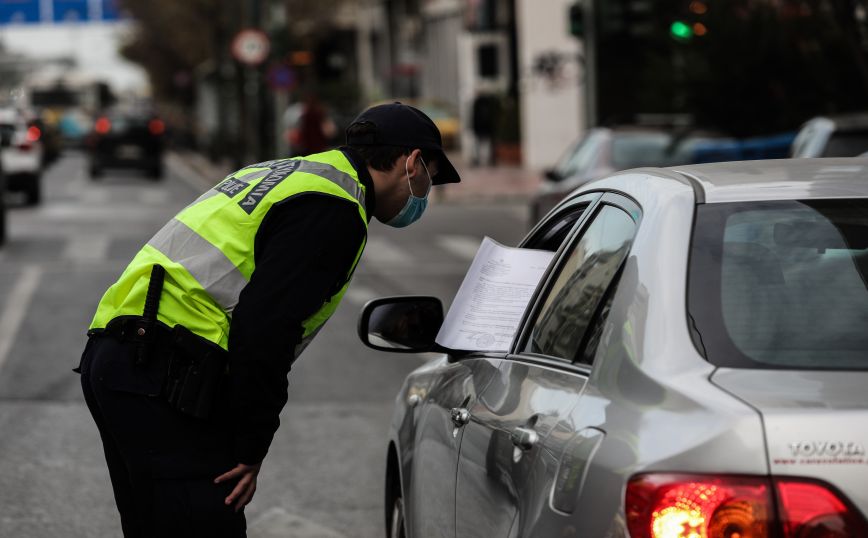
point(246, 486)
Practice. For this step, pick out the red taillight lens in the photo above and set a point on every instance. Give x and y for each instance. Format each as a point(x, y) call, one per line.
point(683, 506)
point(696, 506)
point(102, 126)
point(156, 127)
point(33, 134)
point(812, 510)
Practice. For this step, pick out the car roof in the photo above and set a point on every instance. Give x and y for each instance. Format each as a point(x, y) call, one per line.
point(782, 179)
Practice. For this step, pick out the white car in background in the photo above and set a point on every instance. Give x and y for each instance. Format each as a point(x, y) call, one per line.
point(835, 136)
point(21, 155)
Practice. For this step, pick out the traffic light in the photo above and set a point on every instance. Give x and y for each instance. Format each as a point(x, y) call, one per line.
point(577, 19)
point(681, 31)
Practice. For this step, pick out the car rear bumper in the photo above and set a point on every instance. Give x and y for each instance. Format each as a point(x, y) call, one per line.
point(17, 162)
point(21, 181)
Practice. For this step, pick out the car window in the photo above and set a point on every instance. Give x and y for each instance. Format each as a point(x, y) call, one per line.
point(640, 149)
point(582, 157)
point(781, 284)
point(580, 285)
point(551, 234)
point(846, 144)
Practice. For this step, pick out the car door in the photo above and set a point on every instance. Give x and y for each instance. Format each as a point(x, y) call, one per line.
point(511, 449)
point(443, 411)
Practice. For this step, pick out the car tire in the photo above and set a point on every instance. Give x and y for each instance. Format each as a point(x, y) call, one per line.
point(156, 172)
point(34, 191)
point(396, 529)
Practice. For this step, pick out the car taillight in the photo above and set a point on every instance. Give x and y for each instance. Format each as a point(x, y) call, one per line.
point(156, 127)
point(696, 506)
point(809, 509)
point(102, 126)
point(24, 146)
point(681, 506)
point(33, 133)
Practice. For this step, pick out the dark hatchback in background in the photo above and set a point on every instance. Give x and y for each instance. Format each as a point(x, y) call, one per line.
point(127, 140)
point(604, 150)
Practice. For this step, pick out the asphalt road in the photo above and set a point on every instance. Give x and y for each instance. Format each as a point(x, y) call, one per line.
point(323, 476)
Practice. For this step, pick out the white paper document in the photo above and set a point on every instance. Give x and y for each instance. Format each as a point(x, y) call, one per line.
point(495, 293)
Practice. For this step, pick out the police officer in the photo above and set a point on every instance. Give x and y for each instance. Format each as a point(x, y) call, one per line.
point(186, 363)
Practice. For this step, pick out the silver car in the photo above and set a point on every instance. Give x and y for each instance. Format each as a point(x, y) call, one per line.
point(693, 364)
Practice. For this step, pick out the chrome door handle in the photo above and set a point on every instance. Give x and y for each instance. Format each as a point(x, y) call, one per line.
point(460, 416)
point(524, 438)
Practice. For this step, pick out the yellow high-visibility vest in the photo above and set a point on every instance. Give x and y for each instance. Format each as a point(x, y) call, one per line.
point(207, 248)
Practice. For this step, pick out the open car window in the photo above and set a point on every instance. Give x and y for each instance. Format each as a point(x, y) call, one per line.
point(551, 233)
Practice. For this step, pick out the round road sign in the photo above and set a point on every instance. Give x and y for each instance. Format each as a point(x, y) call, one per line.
point(250, 46)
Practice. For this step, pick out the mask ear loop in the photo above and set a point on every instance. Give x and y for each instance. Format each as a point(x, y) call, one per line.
point(430, 181)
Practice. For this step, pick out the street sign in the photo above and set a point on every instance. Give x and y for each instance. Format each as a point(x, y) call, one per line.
point(281, 77)
point(251, 46)
point(19, 11)
point(71, 11)
point(14, 12)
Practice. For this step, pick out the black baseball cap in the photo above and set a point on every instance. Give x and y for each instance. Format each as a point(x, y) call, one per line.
point(402, 125)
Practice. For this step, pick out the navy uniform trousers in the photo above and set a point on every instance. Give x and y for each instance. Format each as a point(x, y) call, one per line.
point(162, 463)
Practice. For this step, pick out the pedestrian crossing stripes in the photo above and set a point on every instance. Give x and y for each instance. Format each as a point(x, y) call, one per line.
point(386, 252)
point(87, 249)
point(359, 294)
point(460, 245)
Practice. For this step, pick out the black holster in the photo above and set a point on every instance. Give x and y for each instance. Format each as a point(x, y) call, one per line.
point(185, 369)
point(197, 372)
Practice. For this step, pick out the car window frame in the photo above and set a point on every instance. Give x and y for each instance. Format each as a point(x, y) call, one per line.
point(583, 201)
point(517, 351)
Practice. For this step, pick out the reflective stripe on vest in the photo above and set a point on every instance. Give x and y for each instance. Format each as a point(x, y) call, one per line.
point(205, 262)
point(254, 172)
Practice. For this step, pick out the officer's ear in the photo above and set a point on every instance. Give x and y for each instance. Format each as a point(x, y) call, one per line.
point(413, 164)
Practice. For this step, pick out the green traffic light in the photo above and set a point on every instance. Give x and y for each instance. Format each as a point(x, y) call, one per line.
point(681, 30)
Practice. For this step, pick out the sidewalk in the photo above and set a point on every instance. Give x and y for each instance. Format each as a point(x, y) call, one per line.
point(478, 184)
point(488, 183)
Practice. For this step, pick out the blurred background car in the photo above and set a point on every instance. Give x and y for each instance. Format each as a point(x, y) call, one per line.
point(23, 157)
point(49, 136)
point(127, 139)
point(604, 150)
point(833, 136)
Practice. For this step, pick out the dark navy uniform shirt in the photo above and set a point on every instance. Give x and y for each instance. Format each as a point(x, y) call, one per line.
point(304, 249)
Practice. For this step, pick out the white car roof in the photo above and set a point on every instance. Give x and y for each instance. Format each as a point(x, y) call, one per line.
point(744, 181)
point(783, 179)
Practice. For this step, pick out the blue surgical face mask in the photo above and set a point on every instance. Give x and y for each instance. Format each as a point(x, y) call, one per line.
point(415, 205)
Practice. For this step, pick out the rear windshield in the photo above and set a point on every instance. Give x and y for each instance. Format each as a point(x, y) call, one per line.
point(781, 284)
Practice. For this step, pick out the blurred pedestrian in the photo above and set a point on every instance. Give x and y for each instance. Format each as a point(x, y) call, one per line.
point(185, 369)
point(315, 128)
point(484, 115)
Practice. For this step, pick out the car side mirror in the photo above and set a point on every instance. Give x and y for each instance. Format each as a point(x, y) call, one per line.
point(553, 175)
point(401, 324)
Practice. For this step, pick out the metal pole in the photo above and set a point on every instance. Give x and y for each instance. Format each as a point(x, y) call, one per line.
point(591, 64)
point(251, 93)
